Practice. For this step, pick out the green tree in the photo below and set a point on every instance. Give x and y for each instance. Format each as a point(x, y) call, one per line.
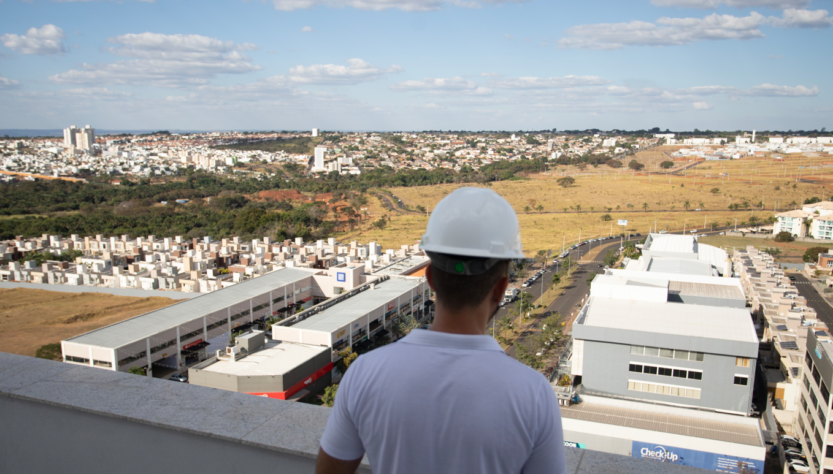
point(812, 254)
point(715, 190)
point(556, 279)
point(610, 258)
point(329, 396)
point(539, 208)
point(783, 236)
point(527, 209)
point(635, 165)
point(566, 181)
point(644, 206)
point(606, 218)
point(666, 164)
point(137, 371)
point(590, 278)
point(50, 351)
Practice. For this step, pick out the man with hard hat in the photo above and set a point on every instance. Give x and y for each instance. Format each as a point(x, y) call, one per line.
point(448, 399)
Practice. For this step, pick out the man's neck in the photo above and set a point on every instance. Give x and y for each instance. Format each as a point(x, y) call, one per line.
point(470, 321)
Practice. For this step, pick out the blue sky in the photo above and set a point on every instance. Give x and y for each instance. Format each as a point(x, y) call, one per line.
point(416, 64)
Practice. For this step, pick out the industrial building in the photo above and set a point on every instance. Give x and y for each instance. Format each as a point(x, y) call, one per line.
point(663, 361)
point(281, 370)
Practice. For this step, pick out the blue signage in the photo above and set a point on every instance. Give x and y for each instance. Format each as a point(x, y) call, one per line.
point(341, 276)
point(701, 459)
point(818, 353)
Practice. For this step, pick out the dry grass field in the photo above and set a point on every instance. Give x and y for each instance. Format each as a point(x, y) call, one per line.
point(30, 319)
point(644, 200)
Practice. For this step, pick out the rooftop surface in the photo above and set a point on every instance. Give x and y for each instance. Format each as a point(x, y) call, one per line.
point(672, 243)
point(149, 324)
point(402, 266)
point(357, 306)
point(275, 359)
point(679, 265)
point(664, 419)
point(705, 289)
point(712, 322)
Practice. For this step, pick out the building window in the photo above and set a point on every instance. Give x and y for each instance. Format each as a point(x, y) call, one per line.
point(822, 415)
point(665, 371)
point(666, 353)
point(696, 356)
point(102, 363)
point(814, 399)
point(692, 393)
point(664, 389)
point(638, 350)
point(816, 375)
point(681, 355)
point(635, 368)
point(652, 351)
point(741, 362)
point(650, 370)
point(680, 373)
point(806, 383)
point(808, 360)
point(695, 375)
point(78, 360)
point(741, 380)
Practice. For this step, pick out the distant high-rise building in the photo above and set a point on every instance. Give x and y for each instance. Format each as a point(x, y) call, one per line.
point(80, 138)
point(69, 136)
point(314, 132)
point(318, 164)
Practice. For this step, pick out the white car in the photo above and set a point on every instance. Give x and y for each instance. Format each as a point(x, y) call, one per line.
point(663, 232)
point(798, 466)
point(526, 284)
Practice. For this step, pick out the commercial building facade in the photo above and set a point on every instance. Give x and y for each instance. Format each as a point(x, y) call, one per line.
point(814, 427)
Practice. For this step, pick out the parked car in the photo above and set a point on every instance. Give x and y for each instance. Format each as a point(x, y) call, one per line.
point(792, 278)
point(797, 465)
point(178, 378)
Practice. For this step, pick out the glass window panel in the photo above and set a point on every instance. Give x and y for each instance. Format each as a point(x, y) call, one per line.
point(692, 393)
point(666, 390)
point(695, 375)
point(648, 387)
point(638, 350)
point(652, 351)
point(635, 368)
point(667, 353)
point(664, 371)
point(697, 356)
point(682, 355)
point(680, 373)
point(675, 391)
point(649, 370)
point(631, 385)
point(741, 380)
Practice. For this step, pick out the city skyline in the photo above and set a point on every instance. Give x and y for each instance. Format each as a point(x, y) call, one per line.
point(415, 65)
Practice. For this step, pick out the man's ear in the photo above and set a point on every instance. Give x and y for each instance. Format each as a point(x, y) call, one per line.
point(430, 277)
point(499, 289)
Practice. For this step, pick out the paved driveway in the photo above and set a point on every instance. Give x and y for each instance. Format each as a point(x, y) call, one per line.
point(805, 289)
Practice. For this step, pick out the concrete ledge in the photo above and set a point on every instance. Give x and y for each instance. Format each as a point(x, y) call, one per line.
point(70, 418)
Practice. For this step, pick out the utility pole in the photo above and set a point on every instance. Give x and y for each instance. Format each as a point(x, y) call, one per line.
point(736, 224)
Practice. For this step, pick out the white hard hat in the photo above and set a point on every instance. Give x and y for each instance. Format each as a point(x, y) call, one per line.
point(474, 222)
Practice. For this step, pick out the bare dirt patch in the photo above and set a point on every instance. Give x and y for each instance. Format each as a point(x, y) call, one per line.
point(30, 319)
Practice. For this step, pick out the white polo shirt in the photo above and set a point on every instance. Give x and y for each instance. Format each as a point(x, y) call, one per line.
point(437, 402)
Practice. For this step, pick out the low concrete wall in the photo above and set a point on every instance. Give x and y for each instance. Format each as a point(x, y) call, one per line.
point(176, 295)
point(59, 417)
point(770, 236)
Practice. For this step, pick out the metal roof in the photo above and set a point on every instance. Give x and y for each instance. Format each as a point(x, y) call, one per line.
point(404, 266)
point(679, 265)
point(149, 324)
point(706, 289)
point(672, 243)
point(274, 359)
point(358, 306)
point(711, 322)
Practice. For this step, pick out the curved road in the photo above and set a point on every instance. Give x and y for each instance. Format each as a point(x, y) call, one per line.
point(399, 207)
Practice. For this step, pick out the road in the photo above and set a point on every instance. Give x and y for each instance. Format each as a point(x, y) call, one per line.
point(575, 293)
point(814, 299)
point(398, 207)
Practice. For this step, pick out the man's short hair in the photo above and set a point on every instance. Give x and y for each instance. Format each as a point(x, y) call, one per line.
point(461, 291)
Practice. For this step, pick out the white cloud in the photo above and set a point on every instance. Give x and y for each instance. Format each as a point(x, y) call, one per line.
point(770, 90)
point(46, 40)
point(163, 60)
point(678, 31)
point(355, 72)
point(307, 29)
point(793, 18)
point(702, 105)
point(456, 85)
point(405, 5)
point(712, 4)
point(6, 83)
point(666, 32)
point(763, 90)
point(550, 83)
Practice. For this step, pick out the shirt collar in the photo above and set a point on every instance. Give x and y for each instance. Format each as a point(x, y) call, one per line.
point(425, 337)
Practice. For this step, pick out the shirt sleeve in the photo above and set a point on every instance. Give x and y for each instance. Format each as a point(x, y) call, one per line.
point(341, 436)
point(548, 451)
